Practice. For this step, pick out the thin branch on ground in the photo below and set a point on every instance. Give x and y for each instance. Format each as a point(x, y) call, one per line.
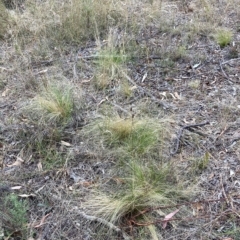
point(104, 222)
point(183, 204)
point(209, 216)
point(224, 73)
point(163, 104)
point(233, 59)
point(224, 193)
point(179, 135)
point(117, 106)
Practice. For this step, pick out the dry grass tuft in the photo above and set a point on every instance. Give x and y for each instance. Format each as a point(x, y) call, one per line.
point(4, 18)
point(146, 187)
point(54, 104)
point(223, 37)
point(81, 20)
point(121, 128)
point(129, 136)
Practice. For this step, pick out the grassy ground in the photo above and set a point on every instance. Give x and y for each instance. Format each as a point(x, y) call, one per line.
point(119, 119)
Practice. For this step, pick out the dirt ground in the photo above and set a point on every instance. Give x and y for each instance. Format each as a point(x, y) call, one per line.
point(199, 89)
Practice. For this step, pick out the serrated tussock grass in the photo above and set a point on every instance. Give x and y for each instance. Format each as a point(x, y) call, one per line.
point(147, 186)
point(54, 104)
point(82, 20)
point(4, 18)
point(109, 60)
point(131, 135)
point(223, 37)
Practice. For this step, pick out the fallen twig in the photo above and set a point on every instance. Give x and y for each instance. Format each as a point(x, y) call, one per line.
point(181, 205)
point(104, 222)
point(224, 193)
point(117, 106)
point(181, 132)
point(146, 91)
point(233, 59)
point(42, 221)
point(209, 216)
point(224, 73)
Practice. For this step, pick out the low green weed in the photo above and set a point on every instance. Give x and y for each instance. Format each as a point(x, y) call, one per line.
point(14, 216)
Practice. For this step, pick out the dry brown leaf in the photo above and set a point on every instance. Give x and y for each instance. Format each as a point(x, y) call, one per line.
point(42, 221)
point(16, 187)
point(144, 77)
point(164, 94)
point(211, 176)
point(18, 162)
point(168, 218)
point(24, 195)
point(5, 93)
point(84, 184)
point(86, 81)
point(87, 184)
point(103, 100)
point(39, 166)
point(232, 173)
point(197, 207)
point(177, 96)
point(172, 95)
point(119, 180)
point(27, 195)
point(42, 71)
point(2, 69)
point(133, 88)
point(193, 120)
point(65, 144)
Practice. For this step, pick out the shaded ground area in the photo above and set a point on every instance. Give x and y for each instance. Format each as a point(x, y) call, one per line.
point(172, 75)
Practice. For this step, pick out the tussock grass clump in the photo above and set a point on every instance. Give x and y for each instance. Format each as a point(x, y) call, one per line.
point(109, 59)
point(125, 89)
point(83, 20)
point(4, 18)
point(194, 84)
point(121, 129)
point(147, 186)
point(223, 37)
point(132, 136)
point(79, 21)
point(199, 164)
point(48, 155)
point(54, 104)
point(11, 4)
point(67, 22)
point(109, 62)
